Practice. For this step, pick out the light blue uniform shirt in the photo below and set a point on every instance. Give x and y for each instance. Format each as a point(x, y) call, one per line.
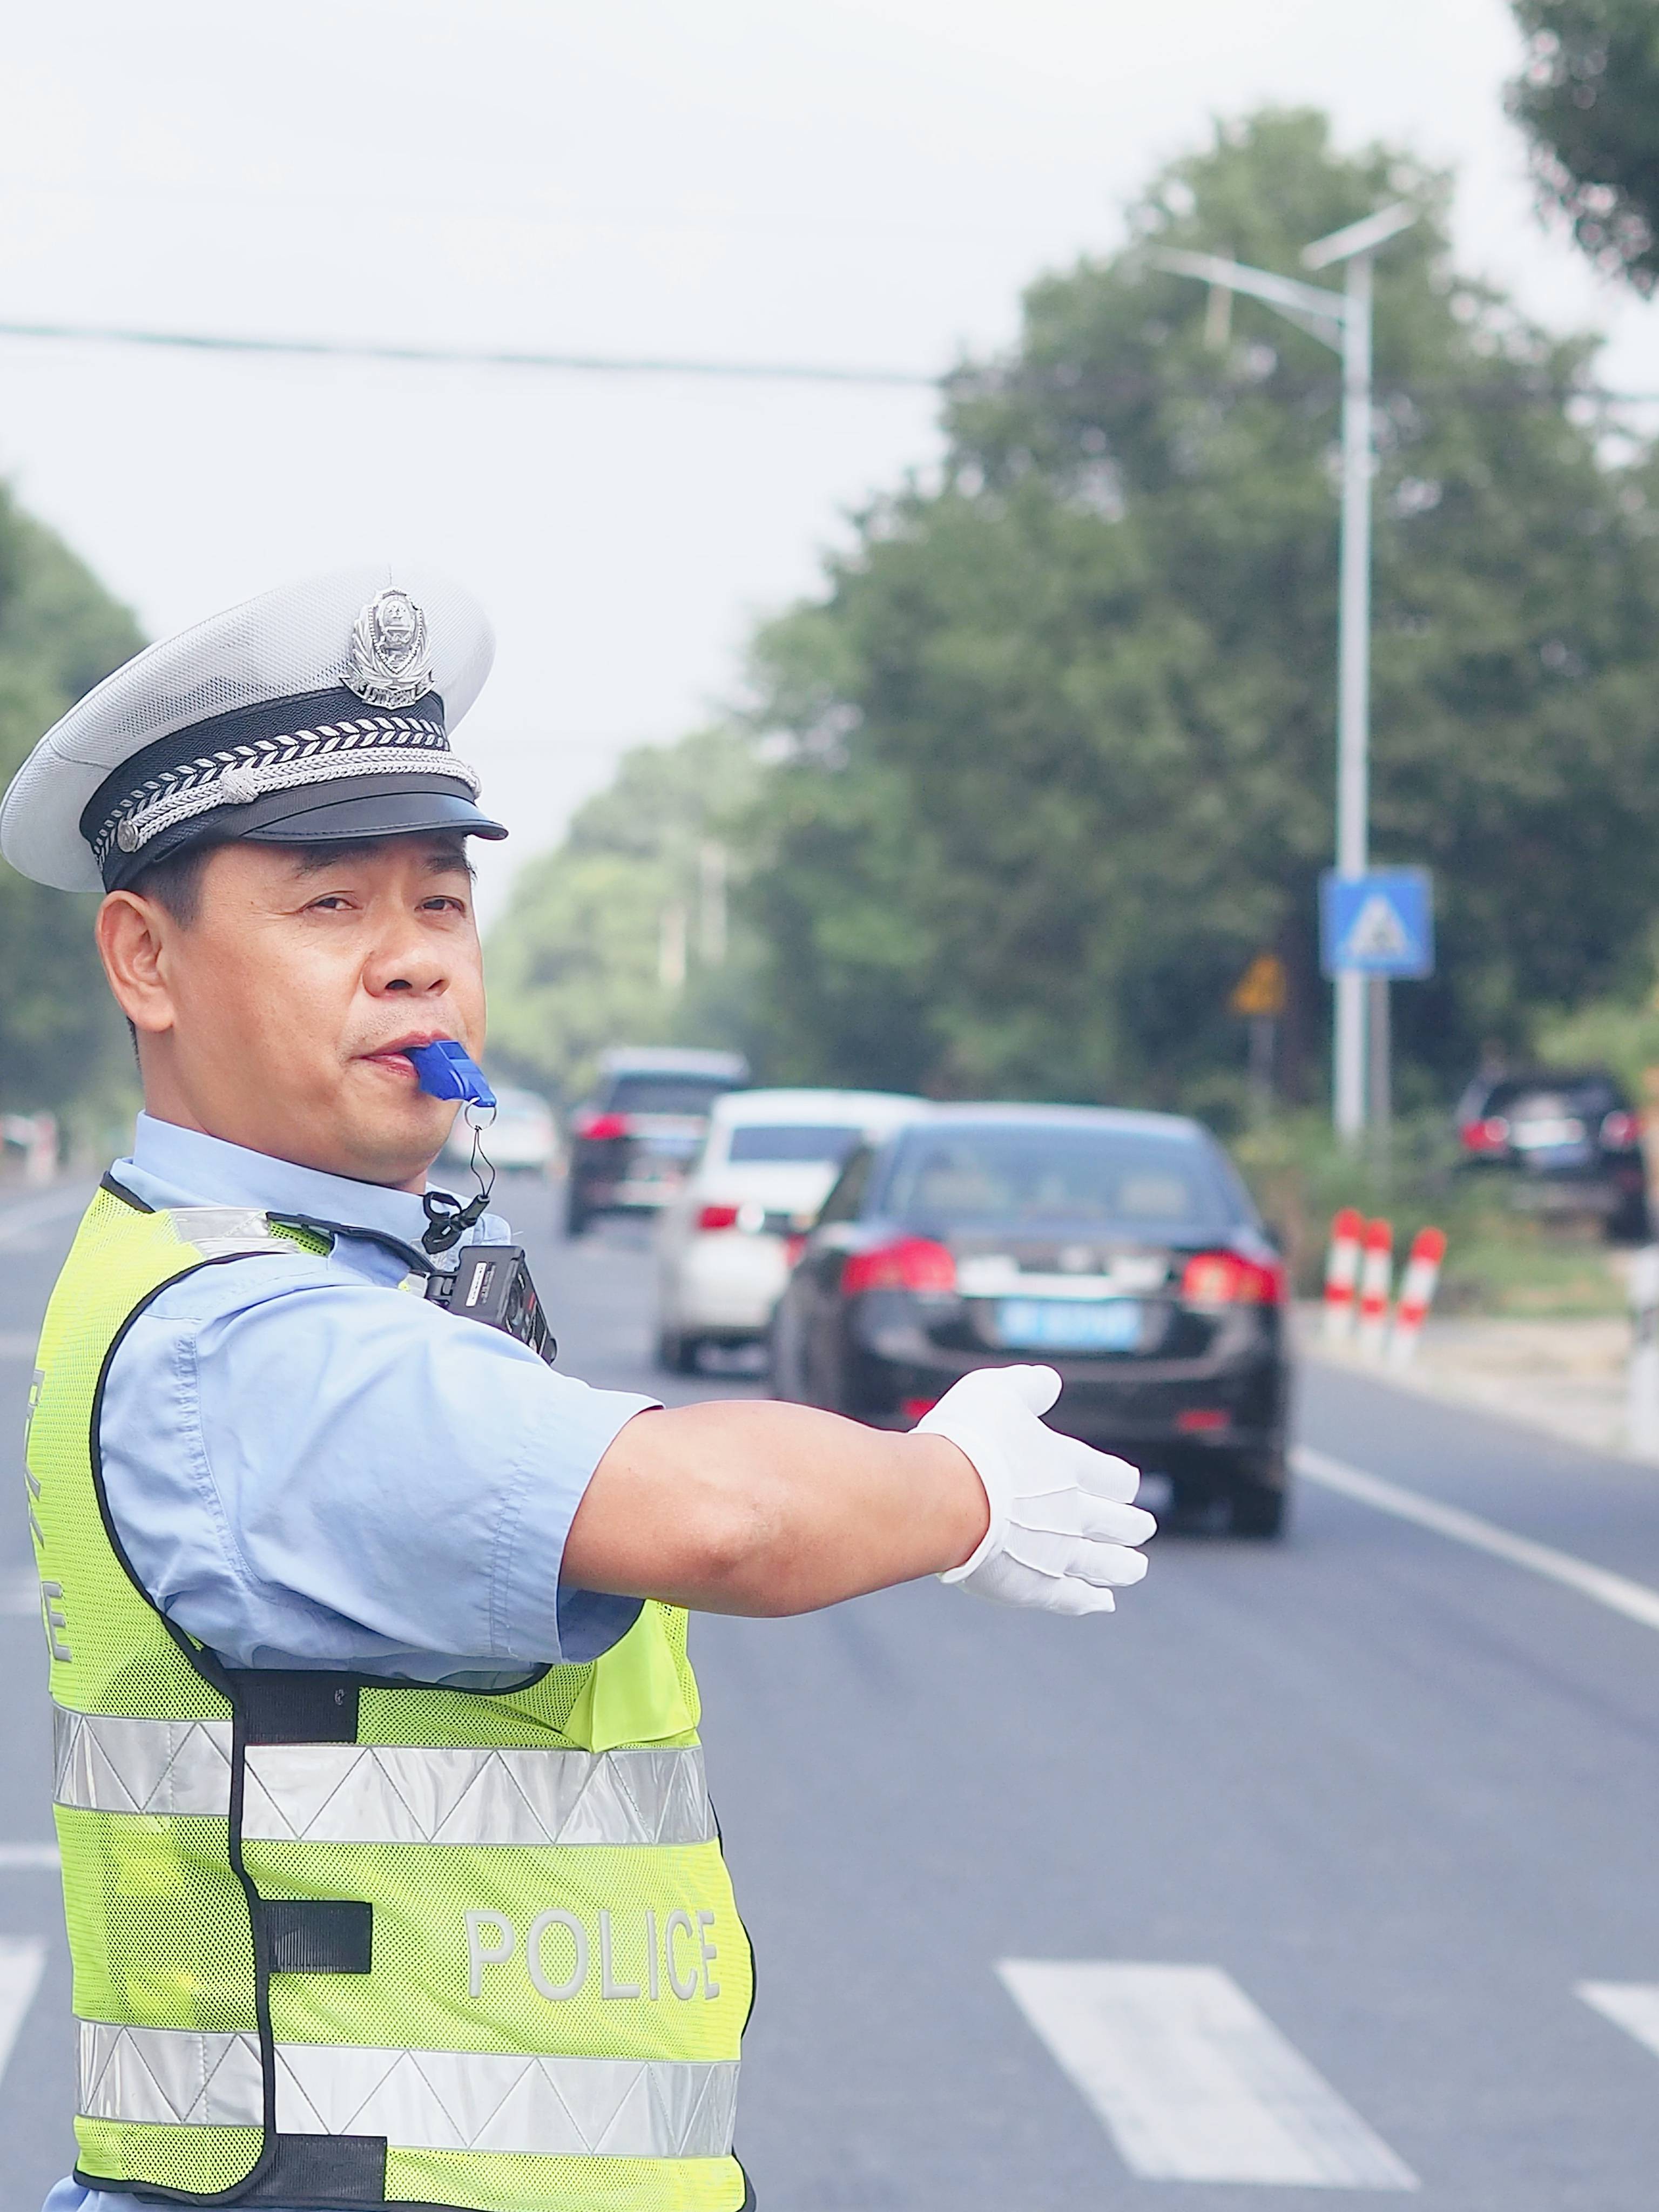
point(309, 1469)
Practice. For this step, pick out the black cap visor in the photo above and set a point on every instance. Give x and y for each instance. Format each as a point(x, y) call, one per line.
point(341, 819)
point(356, 808)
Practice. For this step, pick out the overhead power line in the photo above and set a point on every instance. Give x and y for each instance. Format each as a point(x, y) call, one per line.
point(752, 372)
point(746, 372)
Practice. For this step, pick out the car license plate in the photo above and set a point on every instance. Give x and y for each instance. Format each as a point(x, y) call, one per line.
point(1069, 1324)
point(1549, 1133)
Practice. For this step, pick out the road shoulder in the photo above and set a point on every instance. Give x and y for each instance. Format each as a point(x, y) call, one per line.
point(1566, 1378)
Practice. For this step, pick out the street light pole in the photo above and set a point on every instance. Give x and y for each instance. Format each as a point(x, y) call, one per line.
point(1353, 683)
point(1358, 996)
point(1341, 320)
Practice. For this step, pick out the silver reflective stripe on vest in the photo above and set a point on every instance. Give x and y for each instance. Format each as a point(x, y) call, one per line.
point(105, 1763)
point(350, 1793)
point(217, 1232)
point(417, 2100)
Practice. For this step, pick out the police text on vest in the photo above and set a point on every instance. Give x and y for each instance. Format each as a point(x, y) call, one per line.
point(559, 1957)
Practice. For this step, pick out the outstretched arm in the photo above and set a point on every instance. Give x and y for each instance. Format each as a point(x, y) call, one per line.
point(735, 1507)
point(746, 1508)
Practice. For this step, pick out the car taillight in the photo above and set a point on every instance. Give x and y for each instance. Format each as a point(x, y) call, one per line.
point(910, 1263)
point(1226, 1278)
point(793, 1248)
point(718, 1216)
point(599, 1128)
point(1488, 1136)
point(1620, 1130)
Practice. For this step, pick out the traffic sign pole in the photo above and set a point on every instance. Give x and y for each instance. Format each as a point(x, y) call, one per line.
point(1379, 1079)
point(1260, 996)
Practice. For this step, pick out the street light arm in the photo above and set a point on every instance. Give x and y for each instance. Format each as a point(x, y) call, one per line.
point(1361, 237)
point(1321, 312)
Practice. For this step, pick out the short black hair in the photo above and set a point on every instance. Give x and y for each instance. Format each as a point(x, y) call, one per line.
point(175, 882)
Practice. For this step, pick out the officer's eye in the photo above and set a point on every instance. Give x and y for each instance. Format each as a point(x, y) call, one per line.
point(330, 903)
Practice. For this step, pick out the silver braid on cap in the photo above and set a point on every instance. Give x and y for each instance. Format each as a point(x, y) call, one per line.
point(370, 744)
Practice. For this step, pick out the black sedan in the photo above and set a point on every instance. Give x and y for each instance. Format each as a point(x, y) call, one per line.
point(1121, 1248)
point(632, 1142)
point(1566, 1141)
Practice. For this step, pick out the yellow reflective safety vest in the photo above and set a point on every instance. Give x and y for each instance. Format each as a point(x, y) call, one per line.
point(338, 1942)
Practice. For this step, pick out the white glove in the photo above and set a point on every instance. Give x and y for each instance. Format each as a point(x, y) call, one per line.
point(1061, 1524)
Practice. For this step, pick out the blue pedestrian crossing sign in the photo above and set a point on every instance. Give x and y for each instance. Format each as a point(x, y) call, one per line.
point(1381, 923)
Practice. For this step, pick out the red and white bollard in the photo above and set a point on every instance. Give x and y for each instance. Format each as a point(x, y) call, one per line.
point(1342, 1271)
point(1376, 1281)
point(1416, 1290)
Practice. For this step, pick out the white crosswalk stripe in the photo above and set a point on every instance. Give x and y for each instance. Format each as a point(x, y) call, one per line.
point(1192, 2082)
point(22, 1962)
point(1633, 2006)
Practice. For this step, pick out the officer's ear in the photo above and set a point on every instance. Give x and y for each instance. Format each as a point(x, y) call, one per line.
point(130, 931)
point(132, 922)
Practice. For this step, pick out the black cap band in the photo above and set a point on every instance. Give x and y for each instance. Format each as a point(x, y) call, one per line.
point(240, 773)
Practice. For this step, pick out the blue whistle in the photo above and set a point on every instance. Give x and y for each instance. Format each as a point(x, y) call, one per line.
point(447, 1071)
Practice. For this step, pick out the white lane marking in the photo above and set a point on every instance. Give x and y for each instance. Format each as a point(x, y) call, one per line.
point(1636, 1601)
point(1192, 2082)
point(27, 1858)
point(1633, 2006)
point(22, 1962)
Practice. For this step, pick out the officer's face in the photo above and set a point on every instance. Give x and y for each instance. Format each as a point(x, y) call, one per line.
point(276, 1016)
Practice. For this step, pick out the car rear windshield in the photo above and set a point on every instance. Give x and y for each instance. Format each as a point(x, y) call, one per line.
point(822, 1144)
point(665, 1094)
point(1518, 1100)
point(1035, 1175)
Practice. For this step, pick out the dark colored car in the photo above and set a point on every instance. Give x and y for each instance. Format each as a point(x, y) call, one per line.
point(1119, 1248)
point(633, 1140)
point(1567, 1141)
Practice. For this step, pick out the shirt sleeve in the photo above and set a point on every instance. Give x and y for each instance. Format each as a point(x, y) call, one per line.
point(307, 1469)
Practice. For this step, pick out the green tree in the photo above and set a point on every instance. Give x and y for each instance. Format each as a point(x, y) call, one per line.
point(61, 1041)
point(1589, 100)
point(1061, 728)
point(619, 936)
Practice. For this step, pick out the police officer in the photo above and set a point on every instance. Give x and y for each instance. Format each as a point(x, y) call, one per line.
point(389, 1867)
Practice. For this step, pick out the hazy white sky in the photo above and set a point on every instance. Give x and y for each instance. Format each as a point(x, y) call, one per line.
point(848, 182)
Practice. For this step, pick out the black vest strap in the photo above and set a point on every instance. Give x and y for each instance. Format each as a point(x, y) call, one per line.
point(322, 2170)
point(294, 1706)
point(318, 1935)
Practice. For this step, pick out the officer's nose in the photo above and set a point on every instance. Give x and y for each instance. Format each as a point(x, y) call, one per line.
point(406, 963)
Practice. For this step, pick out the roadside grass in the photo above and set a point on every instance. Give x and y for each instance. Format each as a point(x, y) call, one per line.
point(1523, 1270)
point(1499, 1261)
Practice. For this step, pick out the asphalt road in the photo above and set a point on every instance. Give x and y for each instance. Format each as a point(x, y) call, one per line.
point(1394, 1800)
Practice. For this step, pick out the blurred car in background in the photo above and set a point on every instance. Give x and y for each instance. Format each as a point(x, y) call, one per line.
point(633, 1140)
point(766, 1166)
point(1119, 1248)
point(523, 1137)
point(1567, 1141)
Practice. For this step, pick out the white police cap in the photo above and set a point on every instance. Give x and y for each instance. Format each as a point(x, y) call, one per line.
point(316, 712)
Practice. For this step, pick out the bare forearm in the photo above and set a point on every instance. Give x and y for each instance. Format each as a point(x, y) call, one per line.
point(745, 1507)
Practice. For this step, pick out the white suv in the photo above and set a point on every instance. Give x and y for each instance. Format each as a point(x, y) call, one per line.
point(723, 1250)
